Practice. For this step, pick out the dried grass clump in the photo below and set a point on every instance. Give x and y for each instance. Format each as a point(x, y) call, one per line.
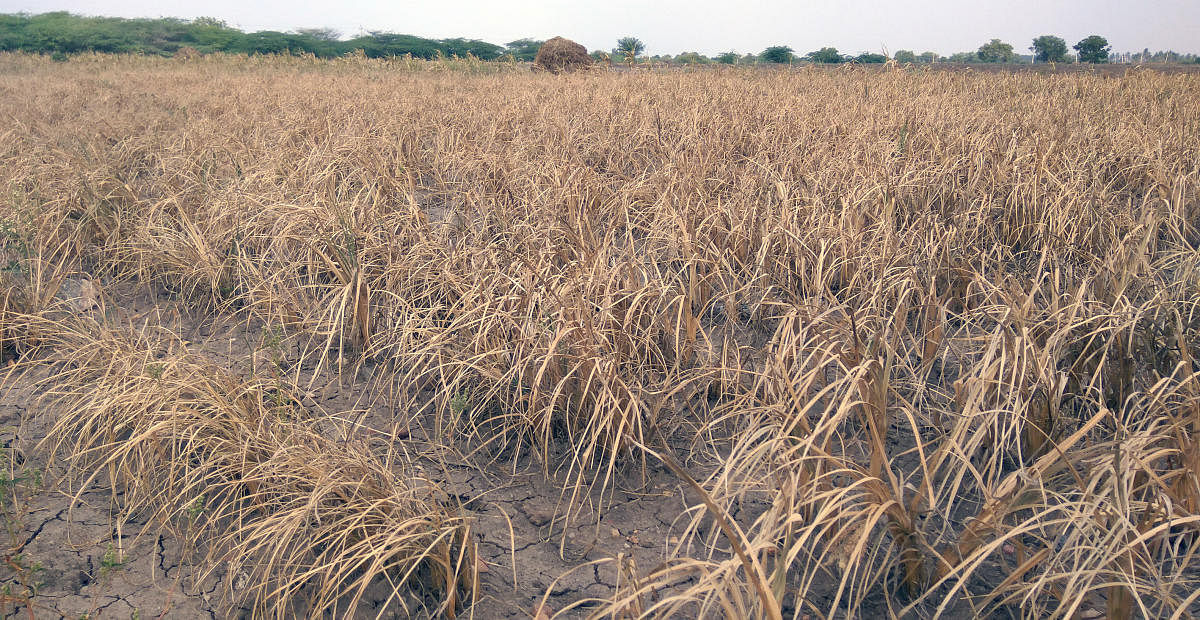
point(559, 55)
point(240, 465)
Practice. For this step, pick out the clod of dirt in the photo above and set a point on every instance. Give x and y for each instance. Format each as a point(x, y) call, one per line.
point(80, 293)
point(539, 515)
point(559, 55)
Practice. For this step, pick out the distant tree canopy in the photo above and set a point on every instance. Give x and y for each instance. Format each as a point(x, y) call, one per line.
point(728, 58)
point(995, 51)
point(385, 44)
point(1093, 49)
point(1049, 48)
point(779, 54)
point(629, 48)
point(827, 55)
point(320, 34)
point(523, 49)
point(905, 56)
point(63, 33)
point(1162, 56)
point(692, 58)
point(459, 46)
point(870, 58)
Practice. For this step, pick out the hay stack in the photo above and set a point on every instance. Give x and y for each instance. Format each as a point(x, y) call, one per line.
point(560, 55)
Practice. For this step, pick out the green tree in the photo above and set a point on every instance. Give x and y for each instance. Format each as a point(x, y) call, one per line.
point(629, 48)
point(12, 32)
point(386, 44)
point(69, 34)
point(780, 54)
point(320, 34)
point(1093, 49)
point(524, 49)
point(692, 58)
point(208, 34)
point(64, 33)
point(995, 51)
point(1049, 48)
point(210, 21)
point(264, 42)
point(461, 47)
point(928, 57)
point(828, 55)
point(728, 58)
point(868, 58)
point(905, 56)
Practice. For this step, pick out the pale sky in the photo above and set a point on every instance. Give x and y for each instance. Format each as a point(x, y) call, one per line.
point(705, 26)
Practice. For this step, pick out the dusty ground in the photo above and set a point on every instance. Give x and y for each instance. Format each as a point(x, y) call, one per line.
point(75, 554)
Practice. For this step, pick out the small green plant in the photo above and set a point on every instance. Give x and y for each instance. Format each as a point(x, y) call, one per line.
point(11, 238)
point(459, 404)
point(272, 339)
point(11, 478)
point(27, 580)
point(195, 509)
point(272, 343)
point(155, 371)
point(13, 267)
point(110, 560)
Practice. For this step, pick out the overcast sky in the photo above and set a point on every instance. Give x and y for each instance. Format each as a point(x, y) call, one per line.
point(706, 26)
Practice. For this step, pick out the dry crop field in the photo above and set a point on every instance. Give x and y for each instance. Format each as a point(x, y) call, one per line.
point(382, 339)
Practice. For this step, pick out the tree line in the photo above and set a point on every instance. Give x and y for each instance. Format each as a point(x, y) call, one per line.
point(61, 33)
point(1046, 48)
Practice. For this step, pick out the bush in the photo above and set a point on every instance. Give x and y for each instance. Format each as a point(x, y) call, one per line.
point(827, 55)
point(1049, 48)
point(777, 54)
point(1093, 49)
point(995, 51)
point(871, 59)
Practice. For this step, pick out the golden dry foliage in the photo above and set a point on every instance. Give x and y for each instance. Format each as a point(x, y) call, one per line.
point(931, 323)
point(242, 468)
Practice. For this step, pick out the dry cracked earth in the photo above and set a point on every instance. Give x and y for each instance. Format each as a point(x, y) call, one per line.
point(72, 552)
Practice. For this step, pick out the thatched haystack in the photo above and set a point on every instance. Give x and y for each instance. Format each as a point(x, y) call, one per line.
point(560, 55)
